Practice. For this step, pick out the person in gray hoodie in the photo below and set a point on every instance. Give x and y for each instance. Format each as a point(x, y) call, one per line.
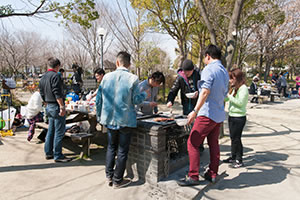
point(149, 105)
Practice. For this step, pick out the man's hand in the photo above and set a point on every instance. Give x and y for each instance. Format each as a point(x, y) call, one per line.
point(195, 95)
point(191, 117)
point(62, 112)
point(153, 104)
point(169, 104)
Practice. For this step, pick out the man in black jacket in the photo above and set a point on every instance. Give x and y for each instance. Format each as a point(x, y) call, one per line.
point(52, 94)
point(186, 82)
point(77, 82)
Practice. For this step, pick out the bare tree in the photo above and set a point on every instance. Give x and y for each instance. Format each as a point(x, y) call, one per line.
point(79, 55)
point(127, 26)
point(30, 44)
point(281, 24)
point(89, 40)
point(11, 52)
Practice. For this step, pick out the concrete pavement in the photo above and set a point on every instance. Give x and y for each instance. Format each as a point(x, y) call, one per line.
point(271, 142)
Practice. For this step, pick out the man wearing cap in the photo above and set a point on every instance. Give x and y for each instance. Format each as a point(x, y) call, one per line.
point(186, 82)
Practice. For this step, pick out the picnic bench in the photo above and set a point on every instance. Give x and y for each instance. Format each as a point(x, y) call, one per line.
point(260, 98)
point(272, 96)
point(82, 138)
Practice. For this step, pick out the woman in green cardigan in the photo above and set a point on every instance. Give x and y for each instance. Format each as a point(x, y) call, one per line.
point(238, 99)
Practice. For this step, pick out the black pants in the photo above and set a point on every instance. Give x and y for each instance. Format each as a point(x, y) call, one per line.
point(76, 88)
point(236, 125)
point(254, 100)
point(284, 91)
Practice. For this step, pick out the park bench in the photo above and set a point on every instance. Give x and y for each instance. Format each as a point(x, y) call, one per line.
point(260, 98)
point(272, 96)
point(81, 138)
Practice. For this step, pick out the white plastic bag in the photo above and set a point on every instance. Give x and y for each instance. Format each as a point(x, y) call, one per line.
point(8, 117)
point(84, 126)
point(34, 105)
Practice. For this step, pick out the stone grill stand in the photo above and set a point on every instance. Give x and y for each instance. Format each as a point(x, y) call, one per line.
point(156, 150)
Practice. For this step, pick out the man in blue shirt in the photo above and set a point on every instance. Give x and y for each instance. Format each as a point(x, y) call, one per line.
point(117, 96)
point(213, 88)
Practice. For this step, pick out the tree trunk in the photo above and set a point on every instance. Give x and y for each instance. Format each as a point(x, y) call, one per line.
point(182, 51)
point(232, 31)
point(203, 13)
point(267, 70)
point(261, 60)
point(199, 61)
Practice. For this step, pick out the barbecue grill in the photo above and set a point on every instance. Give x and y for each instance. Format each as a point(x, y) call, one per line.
point(157, 148)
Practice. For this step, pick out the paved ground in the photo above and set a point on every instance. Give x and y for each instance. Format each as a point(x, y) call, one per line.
point(272, 159)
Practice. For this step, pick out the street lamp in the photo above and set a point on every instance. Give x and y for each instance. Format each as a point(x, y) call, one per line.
point(101, 32)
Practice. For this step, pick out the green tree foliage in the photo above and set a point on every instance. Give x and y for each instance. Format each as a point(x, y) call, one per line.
point(174, 17)
point(76, 11)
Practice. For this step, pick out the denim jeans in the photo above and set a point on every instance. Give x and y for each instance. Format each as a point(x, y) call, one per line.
point(56, 131)
point(118, 144)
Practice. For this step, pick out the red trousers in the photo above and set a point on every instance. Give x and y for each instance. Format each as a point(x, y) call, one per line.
point(204, 127)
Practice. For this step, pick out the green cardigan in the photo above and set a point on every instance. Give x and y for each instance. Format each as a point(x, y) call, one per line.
point(237, 104)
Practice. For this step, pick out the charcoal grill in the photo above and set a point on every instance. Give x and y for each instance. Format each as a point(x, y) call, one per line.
point(157, 148)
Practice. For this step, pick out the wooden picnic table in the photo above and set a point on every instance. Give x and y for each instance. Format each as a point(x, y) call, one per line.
point(82, 116)
point(83, 138)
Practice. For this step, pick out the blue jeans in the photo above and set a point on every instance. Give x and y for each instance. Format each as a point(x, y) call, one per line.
point(118, 141)
point(56, 131)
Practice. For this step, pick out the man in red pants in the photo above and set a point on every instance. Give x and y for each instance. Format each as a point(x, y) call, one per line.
point(209, 110)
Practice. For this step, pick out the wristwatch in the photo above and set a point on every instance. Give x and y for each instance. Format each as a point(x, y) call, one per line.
point(195, 111)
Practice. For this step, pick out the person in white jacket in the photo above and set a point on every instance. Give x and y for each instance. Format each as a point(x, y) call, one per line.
point(33, 113)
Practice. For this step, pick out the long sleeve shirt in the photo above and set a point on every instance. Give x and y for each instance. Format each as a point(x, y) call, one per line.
point(145, 107)
point(238, 103)
point(51, 87)
point(117, 96)
point(214, 77)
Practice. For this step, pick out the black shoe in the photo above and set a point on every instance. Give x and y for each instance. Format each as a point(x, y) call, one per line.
point(187, 181)
point(49, 157)
point(228, 160)
point(237, 164)
point(109, 182)
point(40, 142)
point(122, 184)
point(63, 160)
point(209, 178)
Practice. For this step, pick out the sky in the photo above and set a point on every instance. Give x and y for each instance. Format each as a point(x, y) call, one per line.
point(49, 27)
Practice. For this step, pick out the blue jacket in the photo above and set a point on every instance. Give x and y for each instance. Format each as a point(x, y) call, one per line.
point(116, 97)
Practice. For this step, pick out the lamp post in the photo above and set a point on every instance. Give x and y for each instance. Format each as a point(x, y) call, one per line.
point(101, 32)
